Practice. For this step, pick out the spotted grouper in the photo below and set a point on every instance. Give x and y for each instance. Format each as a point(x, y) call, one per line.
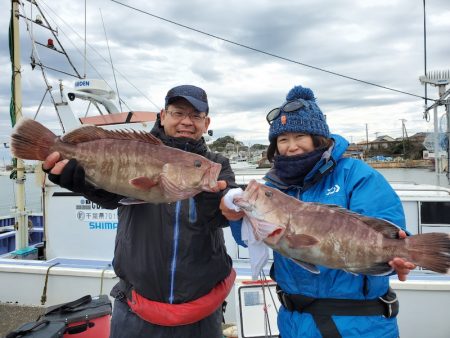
point(318, 234)
point(129, 163)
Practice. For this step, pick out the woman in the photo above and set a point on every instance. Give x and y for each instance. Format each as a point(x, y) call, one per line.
point(308, 164)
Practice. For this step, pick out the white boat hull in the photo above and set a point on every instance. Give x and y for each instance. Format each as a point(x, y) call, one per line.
point(424, 298)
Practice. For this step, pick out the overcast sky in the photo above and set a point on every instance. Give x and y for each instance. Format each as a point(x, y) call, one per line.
point(375, 41)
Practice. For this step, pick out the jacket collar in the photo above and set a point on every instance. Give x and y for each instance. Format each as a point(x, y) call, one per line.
point(324, 166)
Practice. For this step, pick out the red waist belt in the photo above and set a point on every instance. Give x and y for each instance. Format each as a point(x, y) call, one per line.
point(166, 314)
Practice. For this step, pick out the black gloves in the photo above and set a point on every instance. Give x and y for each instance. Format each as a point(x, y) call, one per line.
point(72, 178)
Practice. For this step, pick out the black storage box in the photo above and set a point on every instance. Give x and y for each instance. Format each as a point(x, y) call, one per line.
point(39, 329)
point(87, 317)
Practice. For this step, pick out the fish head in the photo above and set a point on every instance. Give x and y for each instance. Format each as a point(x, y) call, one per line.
point(191, 172)
point(204, 174)
point(265, 208)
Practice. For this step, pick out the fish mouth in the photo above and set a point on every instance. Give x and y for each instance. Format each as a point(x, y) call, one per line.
point(243, 204)
point(210, 178)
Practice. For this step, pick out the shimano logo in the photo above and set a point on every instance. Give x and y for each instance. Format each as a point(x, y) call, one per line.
point(333, 190)
point(103, 225)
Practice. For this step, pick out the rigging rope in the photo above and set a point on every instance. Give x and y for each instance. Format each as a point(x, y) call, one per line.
point(98, 54)
point(268, 53)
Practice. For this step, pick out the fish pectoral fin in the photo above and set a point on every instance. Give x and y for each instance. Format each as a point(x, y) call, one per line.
point(143, 183)
point(301, 240)
point(130, 201)
point(307, 266)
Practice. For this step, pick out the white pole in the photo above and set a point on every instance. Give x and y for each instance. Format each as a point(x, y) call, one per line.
point(21, 216)
point(436, 142)
point(447, 108)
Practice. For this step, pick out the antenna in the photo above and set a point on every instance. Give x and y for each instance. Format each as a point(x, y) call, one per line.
point(110, 59)
point(439, 79)
point(425, 54)
point(85, 43)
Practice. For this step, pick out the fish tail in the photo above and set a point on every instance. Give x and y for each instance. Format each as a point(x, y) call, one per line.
point(430, 251)
point(30, 140)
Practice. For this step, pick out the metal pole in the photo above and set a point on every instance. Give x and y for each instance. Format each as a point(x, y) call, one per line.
point(436, 141)
point(367, 140)
point(403, 137)
point(85, 43)
point(425, 50)
point(21, 216)
point(447, 108)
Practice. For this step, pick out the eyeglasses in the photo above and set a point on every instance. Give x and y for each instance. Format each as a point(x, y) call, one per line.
point(288, 107)
point(181, 115)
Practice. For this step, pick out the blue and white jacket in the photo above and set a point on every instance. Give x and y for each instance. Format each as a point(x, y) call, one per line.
point(354, 185)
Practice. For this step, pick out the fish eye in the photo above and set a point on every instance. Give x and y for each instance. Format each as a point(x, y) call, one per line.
point(197, 163)
point(268, 193)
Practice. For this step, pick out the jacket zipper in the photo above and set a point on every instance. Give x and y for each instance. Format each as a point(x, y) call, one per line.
point(176, 235)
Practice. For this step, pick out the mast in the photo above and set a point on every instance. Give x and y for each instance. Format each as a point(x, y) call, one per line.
point(16, 97)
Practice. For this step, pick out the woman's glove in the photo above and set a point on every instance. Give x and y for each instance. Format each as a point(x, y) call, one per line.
point(229, 210)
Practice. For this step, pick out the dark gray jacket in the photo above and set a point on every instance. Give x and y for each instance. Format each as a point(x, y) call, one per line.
point(172, 252)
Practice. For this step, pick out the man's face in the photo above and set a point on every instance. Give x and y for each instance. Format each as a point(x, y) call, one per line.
point(180, 119)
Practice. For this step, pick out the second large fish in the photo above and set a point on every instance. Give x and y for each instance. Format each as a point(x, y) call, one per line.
point(317, 234)
point(128, 163)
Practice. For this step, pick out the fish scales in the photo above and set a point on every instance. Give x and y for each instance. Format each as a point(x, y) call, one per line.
point(317, 234)
point(129, 163)
point(344, 250)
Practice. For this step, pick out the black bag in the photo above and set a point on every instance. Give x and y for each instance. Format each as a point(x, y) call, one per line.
point(86, 317)
point(39, 329)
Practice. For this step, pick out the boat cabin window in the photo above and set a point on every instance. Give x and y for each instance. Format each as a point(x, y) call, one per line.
point(435, 212)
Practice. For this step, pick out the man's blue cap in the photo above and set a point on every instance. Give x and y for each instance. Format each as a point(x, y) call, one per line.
point(195, 95)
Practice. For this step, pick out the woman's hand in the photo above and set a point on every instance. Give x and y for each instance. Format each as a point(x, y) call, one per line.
point(229, 210)
point(401, 266)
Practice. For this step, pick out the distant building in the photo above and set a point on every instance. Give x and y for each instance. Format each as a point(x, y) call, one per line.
point(355, 151)
point(417, 137)
point(381, 142)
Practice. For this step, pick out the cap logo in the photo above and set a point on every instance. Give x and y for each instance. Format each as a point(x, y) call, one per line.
point(283, 120)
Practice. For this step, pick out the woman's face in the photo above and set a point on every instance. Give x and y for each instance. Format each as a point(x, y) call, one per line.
point(290, 144)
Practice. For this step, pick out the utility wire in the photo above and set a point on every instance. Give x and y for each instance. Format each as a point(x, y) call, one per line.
point(268, 53)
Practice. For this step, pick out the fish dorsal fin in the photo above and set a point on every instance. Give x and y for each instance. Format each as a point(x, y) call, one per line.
point(327, 205)
point(92, 133)
point(388, 229)
point(331, 206)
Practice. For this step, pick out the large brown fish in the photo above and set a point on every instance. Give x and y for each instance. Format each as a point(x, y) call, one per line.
point(128, 163)
point(317, 234)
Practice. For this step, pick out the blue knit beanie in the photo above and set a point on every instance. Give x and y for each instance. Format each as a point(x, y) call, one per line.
point(309, 119)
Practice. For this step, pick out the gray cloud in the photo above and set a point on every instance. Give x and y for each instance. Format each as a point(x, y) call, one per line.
point(379, 42)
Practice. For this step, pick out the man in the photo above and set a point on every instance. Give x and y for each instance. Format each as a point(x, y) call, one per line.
point(171, 258)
